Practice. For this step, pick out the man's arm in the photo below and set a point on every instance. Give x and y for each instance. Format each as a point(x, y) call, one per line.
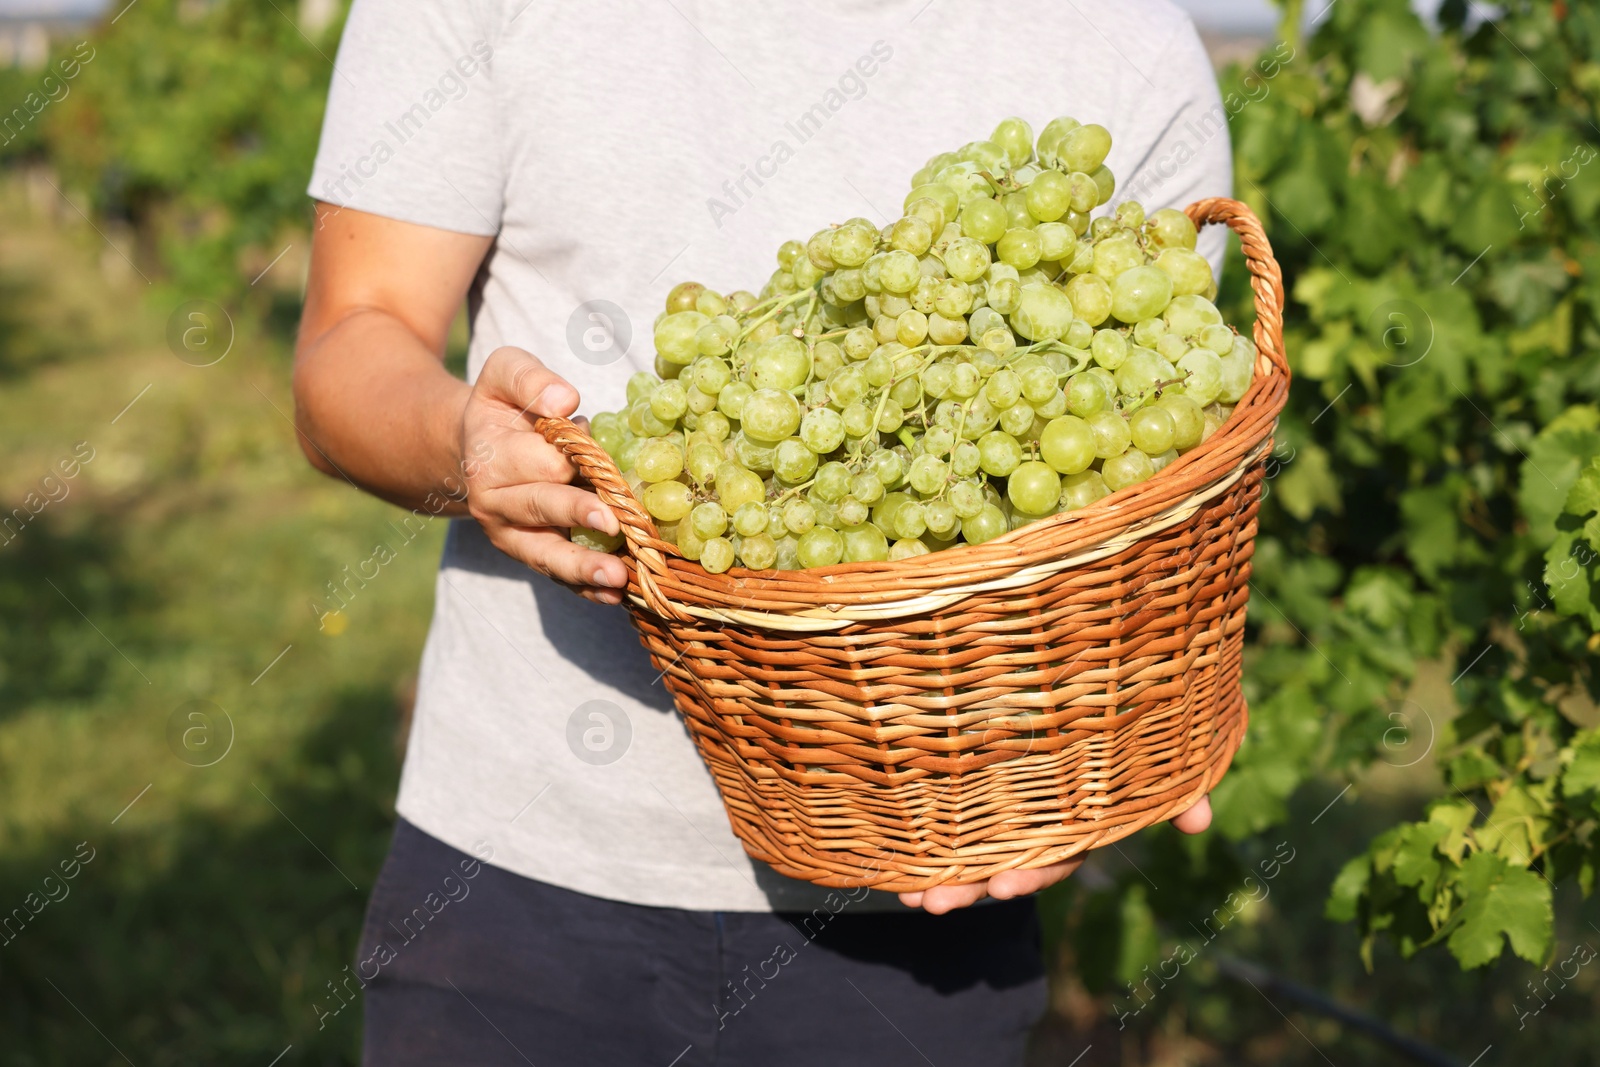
point(374, 403)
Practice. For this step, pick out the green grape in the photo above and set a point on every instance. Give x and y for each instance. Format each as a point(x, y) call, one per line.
point(1019, 248)
point(1190, 272)
point(859, 343)
point(911, 328)
point(756, 455)
point(770, 415)
point(1152, 429)
point(1218, 339)
point(853, 512)
point(683, 296)
point(1129, 213)
point(1161, 459)
point(983, 220)
point(851, 245)
point(1170, 228)
point(817, 249)
point(1140, 372)
point(1187, 315)
point(1127, 469)
point(1204, 381)
point(820, 547)
point(879, 368)
point(941, 518)
point(928, 474)
point(999, 453)
point(1034, 488)
point(966, 259)
point(1079, 221)
point(1038, 382)
point(911, 234)
point(908, 519)
point(1082, 489)
point(1067, 445)
point(986, 525)
point(1188, 419)
point(966, 499)
point(799, 516)
point(659, 460)
point(946, 330)
point(864, 543)
point(1086, 395)
point(1003, 388)
point(759, 552)
point(1005, 295)
point(890, 416)
point(907, 547)
point(1106, 181)
point(986, 154)
point(793, 461)
point(1056, 241)
point(716, 425)
point(1079, 335)
point(594, 540)
point(888, 466)
point(1238, 370)
point(716, 337)
point(708, 520)
point(847, 385)
point(1140, 293)
point(1148, 332)
point(716, 555)
point(805, 274)
point(630, 453)
point(1085, 147)
point(1049, 196)
point(866, 487)
point(1083, 194)
point(833, 481)
point(1091, 298)
point(788, 252)
point(669, 401)
point(1054, 407)
point(1171, 347)
point(965, 459)
point(1017, 420)
point(899, 272)
point(1043, 313)
point(822, 430)
point(668, 501)
point(1111, 437)
point(927, 288)
point(731, 400)
point(1015, 138)
point(1018, 217)
point(702, 461)
point(1110, 348)
point(930, 211)
point(781, 363)
point(953, 299)
point(750, 518)
point(857, 419)
point(847, 285)
point(737, 486)
point(1115, 254)
point(676, 336)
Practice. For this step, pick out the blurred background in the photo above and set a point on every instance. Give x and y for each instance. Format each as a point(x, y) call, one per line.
point(196, 779)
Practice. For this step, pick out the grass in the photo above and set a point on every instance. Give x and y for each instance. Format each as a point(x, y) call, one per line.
point(222, 899)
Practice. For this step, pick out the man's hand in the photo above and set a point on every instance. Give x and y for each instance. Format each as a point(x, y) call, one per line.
point(519, 485)
point(1009, 884)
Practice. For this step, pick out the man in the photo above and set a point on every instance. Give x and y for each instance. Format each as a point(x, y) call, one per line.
point(559, 167)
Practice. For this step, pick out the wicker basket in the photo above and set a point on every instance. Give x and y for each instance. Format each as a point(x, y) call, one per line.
point(943, 718)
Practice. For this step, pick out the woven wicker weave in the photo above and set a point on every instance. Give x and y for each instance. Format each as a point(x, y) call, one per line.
point(943, 718)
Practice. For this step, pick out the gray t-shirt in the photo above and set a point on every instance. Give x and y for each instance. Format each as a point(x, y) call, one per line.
point(614, 149)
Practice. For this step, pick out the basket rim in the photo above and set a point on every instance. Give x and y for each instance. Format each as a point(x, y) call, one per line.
point(664, 582)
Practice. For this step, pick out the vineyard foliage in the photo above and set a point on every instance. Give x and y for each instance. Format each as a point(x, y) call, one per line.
point(1433, 194)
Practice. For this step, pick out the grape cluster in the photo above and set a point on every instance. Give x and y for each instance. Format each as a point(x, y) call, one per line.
point(993, 357)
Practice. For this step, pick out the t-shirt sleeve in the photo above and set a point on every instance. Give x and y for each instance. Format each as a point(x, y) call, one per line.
point(411, 131)
point(1190, 157)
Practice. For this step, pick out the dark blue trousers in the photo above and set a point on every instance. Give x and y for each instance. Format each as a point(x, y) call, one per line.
point(464, 963)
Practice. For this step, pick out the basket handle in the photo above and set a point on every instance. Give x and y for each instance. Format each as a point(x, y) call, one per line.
point(644, 545)
point(1265, 276)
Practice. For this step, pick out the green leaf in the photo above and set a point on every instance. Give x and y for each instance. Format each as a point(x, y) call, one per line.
point(1308, 483)
point(1518, 825)
point(1344, 899)
point(1555, 458)
point(1583, 771)
point(1501, 903)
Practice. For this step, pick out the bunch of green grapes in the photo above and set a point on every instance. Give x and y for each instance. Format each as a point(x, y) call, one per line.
point(995, 356)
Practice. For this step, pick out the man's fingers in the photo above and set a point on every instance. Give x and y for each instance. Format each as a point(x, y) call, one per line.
point(943, 898)
point(548, 504)
point(1197, 819)
point(1009, 884)
point(548, 552)
point(518, 377)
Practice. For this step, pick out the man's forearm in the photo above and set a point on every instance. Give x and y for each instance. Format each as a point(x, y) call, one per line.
point(375, 406)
